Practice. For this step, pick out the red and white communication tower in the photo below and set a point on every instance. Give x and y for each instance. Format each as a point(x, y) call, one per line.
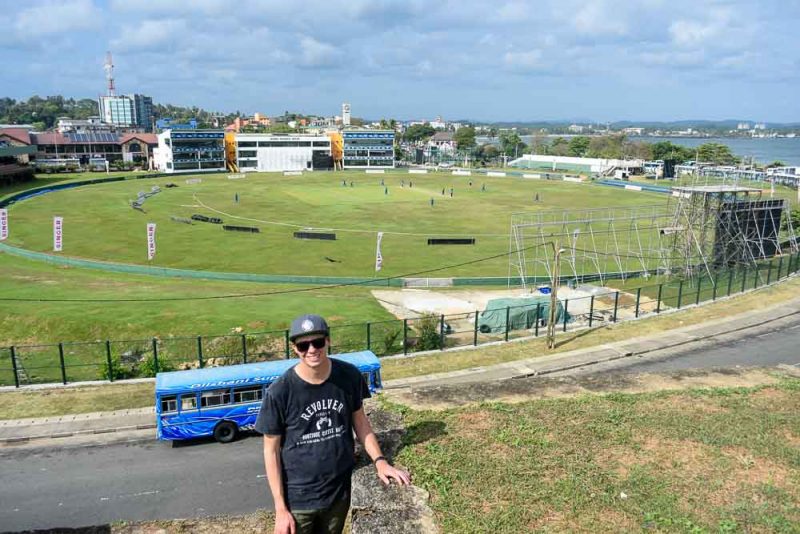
point(109, 68)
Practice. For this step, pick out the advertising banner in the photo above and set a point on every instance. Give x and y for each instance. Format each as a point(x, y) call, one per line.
point(378, 256)
point(3, 224)
point(151, 240)
point(58, 233)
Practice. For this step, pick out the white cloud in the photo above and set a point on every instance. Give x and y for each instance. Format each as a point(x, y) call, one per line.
point(164, 7)
point(598, 18)
point(696, 32)
point(527, 60)
point(314, 53)
point(50, 18)
point(149, 34)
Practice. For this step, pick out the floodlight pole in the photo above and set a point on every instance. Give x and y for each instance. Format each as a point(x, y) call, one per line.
point(551, 320)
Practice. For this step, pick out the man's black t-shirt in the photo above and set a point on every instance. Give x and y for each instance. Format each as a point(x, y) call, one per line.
point(315, 425)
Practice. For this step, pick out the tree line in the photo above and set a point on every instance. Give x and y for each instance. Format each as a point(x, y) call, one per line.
point(43, 113)
point(614, 146)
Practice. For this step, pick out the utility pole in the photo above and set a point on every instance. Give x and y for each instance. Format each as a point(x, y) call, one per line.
point(551, 320)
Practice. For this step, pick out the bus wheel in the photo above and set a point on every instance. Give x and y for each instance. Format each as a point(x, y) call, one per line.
point(225, 432)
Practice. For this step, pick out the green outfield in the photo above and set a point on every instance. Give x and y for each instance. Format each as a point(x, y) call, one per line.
point(100, 224)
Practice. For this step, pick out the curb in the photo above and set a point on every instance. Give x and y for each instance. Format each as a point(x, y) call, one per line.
point(69, 434)
point(622, 354)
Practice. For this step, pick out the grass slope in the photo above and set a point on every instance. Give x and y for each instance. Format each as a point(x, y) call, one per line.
point(724, 460)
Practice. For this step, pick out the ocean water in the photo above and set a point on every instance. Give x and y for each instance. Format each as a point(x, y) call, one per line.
point(764, 151)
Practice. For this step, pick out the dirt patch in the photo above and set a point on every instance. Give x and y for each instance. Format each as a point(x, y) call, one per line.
point(473, 424)
point(792, 439)
point(674, 403)
point(256, 523)
point(524, 389)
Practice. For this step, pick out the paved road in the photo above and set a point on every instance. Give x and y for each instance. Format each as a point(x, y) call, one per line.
point(767, 347)
point(45, 488)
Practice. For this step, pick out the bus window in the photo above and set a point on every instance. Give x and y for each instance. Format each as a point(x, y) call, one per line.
point(215, 397)
point(169, 403)
point(189, 401)
point(248, 394)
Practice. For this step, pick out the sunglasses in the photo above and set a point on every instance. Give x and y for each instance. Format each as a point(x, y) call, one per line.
point(303, 346)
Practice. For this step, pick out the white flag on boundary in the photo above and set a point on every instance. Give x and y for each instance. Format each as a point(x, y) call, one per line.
point(378, 256)
point(3, 224)
point(58, 233)
point(151, 240)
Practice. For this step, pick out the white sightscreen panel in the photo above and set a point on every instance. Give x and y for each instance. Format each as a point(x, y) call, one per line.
point(274, 159)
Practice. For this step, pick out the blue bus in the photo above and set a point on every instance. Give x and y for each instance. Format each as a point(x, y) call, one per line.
point(221, 401)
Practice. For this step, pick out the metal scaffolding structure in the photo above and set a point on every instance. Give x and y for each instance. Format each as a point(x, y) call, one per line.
point(700, 230)
point(597, 243)
point(723, 226)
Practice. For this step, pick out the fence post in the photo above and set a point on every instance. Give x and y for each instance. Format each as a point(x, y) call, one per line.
point(286, 344)
point(591, 310)
point(680, 293)
point(769, 272)
point(744, 278)
point(244, 348)
point(638, 296)
point(699, 285)
point(780, 266)
point(108, 361)
point(755, 278)
point(155, 355)
point(658, 302)
point(369, 336)
point(200, 362)
point(441, 332)
point(405, 336)
point(475, 331)
point(730, 281)
point(538, 310)
point(616, 306)
point(14, 366)
point(508, 314)
point(61, 360)
point(714, 289)
point(566, 304)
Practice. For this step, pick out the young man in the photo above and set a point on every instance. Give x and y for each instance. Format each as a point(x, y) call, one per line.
point(308, 417)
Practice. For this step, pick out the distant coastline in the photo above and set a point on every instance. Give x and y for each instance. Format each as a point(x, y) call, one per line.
point(762, 150)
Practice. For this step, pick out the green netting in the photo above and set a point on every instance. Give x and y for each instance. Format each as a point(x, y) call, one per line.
point(521, 313)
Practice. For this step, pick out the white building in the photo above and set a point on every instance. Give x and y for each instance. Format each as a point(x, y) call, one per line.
point(190, 151)
point(345, 114)
point(588, 165)
point(280, 152)
point(443, 142)
point(438, 124)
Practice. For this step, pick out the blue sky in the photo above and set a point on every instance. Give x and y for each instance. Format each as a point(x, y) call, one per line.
point(601, 60)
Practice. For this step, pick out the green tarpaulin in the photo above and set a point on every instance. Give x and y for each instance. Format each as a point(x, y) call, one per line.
point(521, 313)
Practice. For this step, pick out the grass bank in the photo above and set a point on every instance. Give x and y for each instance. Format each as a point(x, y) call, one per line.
point(36, 403)
point(722, 460)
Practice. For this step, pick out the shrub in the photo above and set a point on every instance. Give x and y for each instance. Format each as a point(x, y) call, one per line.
point(389, 339)
point(147, 367)
point(118, 371)
point(429, 335)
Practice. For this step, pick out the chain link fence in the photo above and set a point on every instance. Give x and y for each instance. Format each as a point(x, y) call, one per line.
point(122, 359)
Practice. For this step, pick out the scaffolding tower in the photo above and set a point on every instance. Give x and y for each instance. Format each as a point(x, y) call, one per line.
point(722, 226)
point(700, 230)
